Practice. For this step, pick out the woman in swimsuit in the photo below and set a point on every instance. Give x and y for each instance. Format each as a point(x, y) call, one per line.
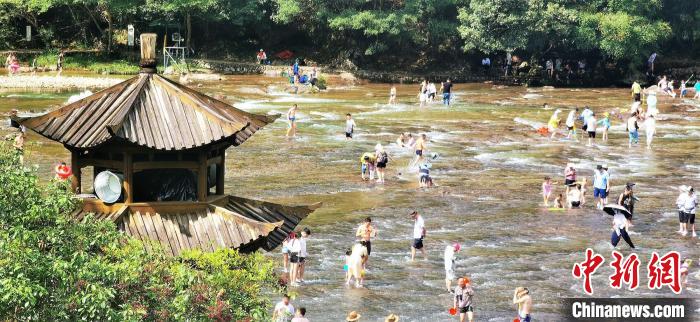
point(291, 118)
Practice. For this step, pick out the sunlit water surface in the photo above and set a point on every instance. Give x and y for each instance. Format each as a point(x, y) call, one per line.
point(489, 171)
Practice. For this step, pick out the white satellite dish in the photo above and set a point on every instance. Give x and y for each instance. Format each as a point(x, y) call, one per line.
point(108, 186)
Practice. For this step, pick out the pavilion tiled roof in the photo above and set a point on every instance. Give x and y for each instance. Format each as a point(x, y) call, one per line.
point(151, 111)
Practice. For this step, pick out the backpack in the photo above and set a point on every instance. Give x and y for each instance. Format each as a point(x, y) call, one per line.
point(383, 158)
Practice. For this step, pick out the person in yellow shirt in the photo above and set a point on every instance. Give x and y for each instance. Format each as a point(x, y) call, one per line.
point(554, 122)
point(637, 91)
point(369, 162)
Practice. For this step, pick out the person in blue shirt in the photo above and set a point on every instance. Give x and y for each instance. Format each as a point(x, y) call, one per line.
point(601, 186)
point(295, 68)
point(697, 90)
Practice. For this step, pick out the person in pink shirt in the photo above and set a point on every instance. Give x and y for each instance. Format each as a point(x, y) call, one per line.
point(569, 176)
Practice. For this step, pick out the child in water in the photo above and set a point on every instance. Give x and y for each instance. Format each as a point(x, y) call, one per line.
point(425, 180)
point(368, 161)
point(558, 202)
point(605, 124)
point(546, 190)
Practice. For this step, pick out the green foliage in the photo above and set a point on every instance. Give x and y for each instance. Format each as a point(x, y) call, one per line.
point(370, 33)
point(52, 268)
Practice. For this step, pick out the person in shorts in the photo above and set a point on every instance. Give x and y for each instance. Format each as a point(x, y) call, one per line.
point(680, 204)
point(450, 257)
point(303, 254)
point(365, 232)
point(349, 126)
point(689, 207)
point(463, 300)
point(418, 235)
point(601, 186)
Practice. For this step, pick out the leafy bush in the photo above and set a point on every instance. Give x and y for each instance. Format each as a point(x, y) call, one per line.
point(52, 268)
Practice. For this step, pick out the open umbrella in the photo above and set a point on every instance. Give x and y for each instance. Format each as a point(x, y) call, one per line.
point(613, 209)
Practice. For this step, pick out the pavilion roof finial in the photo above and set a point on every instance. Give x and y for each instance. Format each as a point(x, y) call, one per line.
point(148, 53)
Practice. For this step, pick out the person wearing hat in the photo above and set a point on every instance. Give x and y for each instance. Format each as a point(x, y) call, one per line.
point(382, 159)
point(600, 186)
point(627, 198)
point(691, 203)
point(262, 57)
point(353, 317)
point(680, 204)
point(524, 301)
point(392, 318)
point(463, 300)
point(418, 235)
point(450, 256)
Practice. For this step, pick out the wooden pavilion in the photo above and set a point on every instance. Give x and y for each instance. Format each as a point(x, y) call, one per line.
point(168, 142)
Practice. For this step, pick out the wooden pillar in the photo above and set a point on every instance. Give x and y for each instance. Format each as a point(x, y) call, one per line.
point(128, 177)
point(220, 174)
point(76, 178)
point(202, 177)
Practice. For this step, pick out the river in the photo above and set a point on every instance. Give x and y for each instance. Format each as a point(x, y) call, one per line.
point(489, 173)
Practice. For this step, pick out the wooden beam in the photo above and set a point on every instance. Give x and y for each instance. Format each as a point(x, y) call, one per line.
point(128, 178)
point(109, 164)
point(76, 178)
point(214, 160)
point(220, 174)
point(202, 177)
point(149, 165)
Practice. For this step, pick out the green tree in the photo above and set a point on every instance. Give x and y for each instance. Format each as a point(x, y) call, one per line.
point(52, 268)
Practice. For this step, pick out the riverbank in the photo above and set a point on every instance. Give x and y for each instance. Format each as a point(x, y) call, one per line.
point(56, 82)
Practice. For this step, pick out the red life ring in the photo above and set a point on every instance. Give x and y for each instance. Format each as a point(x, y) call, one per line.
point(63, 171)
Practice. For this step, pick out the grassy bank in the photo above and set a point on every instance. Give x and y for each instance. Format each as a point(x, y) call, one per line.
point(93, 62)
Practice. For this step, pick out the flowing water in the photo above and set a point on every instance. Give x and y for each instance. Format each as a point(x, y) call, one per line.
point(489, 171)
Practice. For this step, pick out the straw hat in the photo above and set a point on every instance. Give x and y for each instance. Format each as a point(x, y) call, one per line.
point(392, 318)
point(353, 317)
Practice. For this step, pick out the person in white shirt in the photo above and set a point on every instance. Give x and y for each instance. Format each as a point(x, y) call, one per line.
point(680, 203)
point(284, 311)
point(571, 124)
point(601, 186)
point(620, 225)
point(585, 114)
point(294, 247)
point(349, 126)
point(302, 254)
point(418, 235)
point(691, 203)
point(650, 124)
point(450, 251)
point(432, 91)
point(591, 123)
point(573, 197)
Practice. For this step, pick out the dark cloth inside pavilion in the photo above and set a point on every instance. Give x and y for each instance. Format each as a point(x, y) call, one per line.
point(165, 185)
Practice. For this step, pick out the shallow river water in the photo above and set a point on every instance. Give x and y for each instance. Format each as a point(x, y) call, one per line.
point(489, 173)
